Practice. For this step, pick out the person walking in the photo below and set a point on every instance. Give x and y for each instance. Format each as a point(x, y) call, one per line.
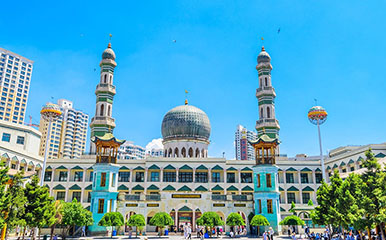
point(189, 232)
point(270, 233)
point(265, 235)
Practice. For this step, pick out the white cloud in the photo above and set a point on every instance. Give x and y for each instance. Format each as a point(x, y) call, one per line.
point(154, 144)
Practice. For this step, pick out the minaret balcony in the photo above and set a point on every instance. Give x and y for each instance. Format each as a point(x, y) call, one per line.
point(104, 87)
point(267, 122)
point(103, 120)
point(265, 91)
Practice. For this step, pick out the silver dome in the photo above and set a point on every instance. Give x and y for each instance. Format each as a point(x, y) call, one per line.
point(263, 56)
point(186, 122)
point(108, 53)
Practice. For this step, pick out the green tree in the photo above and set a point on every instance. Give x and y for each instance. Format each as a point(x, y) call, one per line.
point(292, 208)
point(16, 210)
point(4, 202)
point(210, 220)
point(259, 220)
point(39, 208)
point(310, 203)
point(373, 192)
point(161, 220)
point(320, 214)
point(112, 219)
point(73, 214)
point(137, 221)
point(235, 219)
point(292, 221)
point(58, 208)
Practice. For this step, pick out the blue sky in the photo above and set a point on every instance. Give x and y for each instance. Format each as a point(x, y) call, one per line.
point(333, 51)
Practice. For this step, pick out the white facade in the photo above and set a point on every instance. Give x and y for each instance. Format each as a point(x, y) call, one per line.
point(19, 147)
point(347, 159)
point(15, 78)
point(68, 133)
point(130, 151)
point(244, 150)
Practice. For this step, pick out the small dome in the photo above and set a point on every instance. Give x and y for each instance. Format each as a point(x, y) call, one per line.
point(263, 56)
point(186, 122)
point(108, 53)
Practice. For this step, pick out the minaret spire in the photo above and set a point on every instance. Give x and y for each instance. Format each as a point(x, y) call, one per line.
point(103, 122)
point(265, 94)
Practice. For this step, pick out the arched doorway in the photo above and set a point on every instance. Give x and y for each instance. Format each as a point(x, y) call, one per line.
point(148, 217)
point(185, 216)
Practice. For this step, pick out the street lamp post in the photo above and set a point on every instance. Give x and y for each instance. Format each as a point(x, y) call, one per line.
point(50, 113)
point(317, 116)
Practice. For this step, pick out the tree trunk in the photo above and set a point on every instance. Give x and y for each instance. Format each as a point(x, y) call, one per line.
point(368, 233)
point(23, 232)
point(52, 231)
point(382, 232)
point(39, 233)
point(258, 231)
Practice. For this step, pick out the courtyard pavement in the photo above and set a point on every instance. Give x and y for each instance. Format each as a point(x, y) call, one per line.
point(154, 237)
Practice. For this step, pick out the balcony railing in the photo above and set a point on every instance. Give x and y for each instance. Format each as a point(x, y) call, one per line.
point(266, 121)
point(153, 197)
point(133, 197)
point(105, 85)
point(217, 197)
point(239, 197)
point(103, 118)
point(264, 88)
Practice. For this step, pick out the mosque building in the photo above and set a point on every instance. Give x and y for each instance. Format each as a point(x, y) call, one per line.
point(185, 182)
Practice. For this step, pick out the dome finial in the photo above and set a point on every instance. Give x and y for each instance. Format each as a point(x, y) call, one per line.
point(186, 97)
point(262, 49)
point(109, 45)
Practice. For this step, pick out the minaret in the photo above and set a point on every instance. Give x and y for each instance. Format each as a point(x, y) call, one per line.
point(103, 122)
point(265, 94)
point(265, 171)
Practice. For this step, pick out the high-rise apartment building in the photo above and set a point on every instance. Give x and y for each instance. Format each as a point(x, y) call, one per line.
point(68, 134)
point(15, 78)
point(244, 150)
point(130, 151)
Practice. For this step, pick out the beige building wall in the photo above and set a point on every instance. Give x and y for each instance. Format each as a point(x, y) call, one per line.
point(15, 79)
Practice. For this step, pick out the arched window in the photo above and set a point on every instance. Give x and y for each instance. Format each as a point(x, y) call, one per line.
point(111, 79)
point(266, 82)
point(170, 152)
point(197, 153)
point(176, 152)
point(261, 113)
point(102, 110)
point(268, 113)
point(105, 78)
point(183, 152)
point(190, 152)
point(108, 111)
point(202, 153)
